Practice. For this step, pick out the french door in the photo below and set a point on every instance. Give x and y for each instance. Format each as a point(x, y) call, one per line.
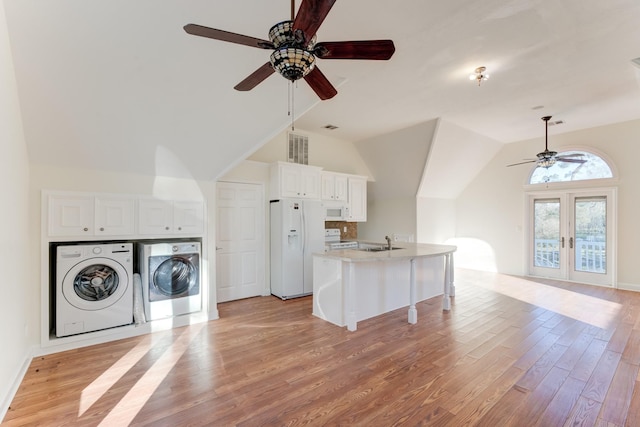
point(572, 236)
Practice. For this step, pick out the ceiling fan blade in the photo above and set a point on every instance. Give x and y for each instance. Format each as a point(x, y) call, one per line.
point(573, 155)
point(226, 36)
point(311, 15)
point(360, 49)
point(568, 160)
point(255, 78)
point(320, 84)
point(522, 163)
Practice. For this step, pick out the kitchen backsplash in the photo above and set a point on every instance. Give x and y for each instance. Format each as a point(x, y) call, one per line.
point(351, 227)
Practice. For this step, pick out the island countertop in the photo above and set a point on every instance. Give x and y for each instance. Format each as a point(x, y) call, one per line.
point(401, 251)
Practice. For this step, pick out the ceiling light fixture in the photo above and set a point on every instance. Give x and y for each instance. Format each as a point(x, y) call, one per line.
point(292, 59)
point(479, 75)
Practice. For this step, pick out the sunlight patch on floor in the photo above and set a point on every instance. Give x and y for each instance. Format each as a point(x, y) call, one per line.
point(130, 405)
point(108, 378)
point(594, 311)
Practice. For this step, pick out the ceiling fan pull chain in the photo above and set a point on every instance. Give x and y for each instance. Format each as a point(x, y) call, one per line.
point(291, 103)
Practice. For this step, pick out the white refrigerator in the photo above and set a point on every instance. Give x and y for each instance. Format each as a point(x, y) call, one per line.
point(297, 231)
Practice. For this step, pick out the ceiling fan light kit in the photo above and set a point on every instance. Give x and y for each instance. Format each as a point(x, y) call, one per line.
point(292, 63)
point(295, 48)
point(291, 59)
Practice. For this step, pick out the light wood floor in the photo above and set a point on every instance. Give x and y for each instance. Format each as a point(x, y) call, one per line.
point(510, 353)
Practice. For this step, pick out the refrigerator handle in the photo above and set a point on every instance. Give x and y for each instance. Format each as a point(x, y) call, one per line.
point(303, 230)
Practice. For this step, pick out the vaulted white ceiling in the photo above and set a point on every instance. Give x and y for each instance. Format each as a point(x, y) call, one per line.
point(119, 85)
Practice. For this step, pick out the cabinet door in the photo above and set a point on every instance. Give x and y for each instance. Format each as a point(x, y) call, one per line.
point(155, 217)
point(357, 199)
point(340, 185)
point(114, 216)
point(70, 215)
point(289, 181)
point(188, 217)
point(310, 180)
point(327, 186)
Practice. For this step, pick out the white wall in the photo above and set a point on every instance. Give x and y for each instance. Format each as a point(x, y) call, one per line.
point(332, 154)
point(436, 219)
point(387, 217)
point(397, 161)
point(491, 209)
point(19, 304)
point(456, 156)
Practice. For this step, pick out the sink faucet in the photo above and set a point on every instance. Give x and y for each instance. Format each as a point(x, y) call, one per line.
point(388, 239)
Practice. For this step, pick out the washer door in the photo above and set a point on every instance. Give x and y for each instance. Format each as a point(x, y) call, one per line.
point(175, 277)
point(95, 284)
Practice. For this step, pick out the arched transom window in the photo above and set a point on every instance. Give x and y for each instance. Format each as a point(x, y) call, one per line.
point(594, 167)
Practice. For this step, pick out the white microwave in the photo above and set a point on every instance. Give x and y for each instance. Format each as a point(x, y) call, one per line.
point(335, 211)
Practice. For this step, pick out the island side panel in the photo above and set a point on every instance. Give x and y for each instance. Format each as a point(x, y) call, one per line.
point(328, 299)
point(383, 286)
point(376, 287)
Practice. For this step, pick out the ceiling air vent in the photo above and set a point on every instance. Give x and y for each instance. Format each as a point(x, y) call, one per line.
point(298, 149)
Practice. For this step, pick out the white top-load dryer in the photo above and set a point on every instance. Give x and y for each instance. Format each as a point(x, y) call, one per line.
point(94, 287)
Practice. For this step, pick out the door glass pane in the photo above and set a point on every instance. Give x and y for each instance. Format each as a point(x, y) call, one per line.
point(546, 214)
point(591, 234)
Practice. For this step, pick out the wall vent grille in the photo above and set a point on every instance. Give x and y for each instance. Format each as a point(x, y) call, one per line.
point(298, 149)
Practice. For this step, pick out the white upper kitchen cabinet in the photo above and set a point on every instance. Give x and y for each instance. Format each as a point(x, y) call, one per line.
point(163, 217)
point(114, 216)
point(357, 199)
point(292, 180)
point(70, 215)
point(83, 215)
point(333, 186)
point(188, 218)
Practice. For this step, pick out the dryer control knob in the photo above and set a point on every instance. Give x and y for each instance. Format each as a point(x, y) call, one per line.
point(97, 250)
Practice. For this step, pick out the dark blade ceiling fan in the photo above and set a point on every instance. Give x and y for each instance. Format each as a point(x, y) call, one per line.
point(295, 49)
point(548, 158)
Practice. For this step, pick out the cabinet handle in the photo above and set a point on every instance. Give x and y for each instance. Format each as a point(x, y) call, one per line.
point(101, 228)
point(166, 228)
point(85, 229)
point(179, 228)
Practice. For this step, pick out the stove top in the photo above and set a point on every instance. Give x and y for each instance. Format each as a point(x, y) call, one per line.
point(332, 240)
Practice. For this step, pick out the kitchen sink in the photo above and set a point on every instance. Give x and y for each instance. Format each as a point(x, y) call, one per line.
point(376, 249)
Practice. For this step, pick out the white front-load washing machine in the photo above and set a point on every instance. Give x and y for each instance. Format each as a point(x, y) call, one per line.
point(94, 287)
point(170, 273)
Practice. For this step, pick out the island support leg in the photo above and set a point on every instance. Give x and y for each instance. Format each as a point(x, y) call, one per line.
point(452, 286)
point(351, 320)
point(446, 299)
point(413, 313)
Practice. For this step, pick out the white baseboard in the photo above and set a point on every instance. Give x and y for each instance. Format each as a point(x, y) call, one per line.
point(10, 392)
point(629, 286)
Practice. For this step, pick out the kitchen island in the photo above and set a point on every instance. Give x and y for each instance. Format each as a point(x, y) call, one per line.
point(351, 285)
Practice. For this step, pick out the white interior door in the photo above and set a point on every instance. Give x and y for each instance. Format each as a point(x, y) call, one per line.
point(240, 240)
point(572, 236)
